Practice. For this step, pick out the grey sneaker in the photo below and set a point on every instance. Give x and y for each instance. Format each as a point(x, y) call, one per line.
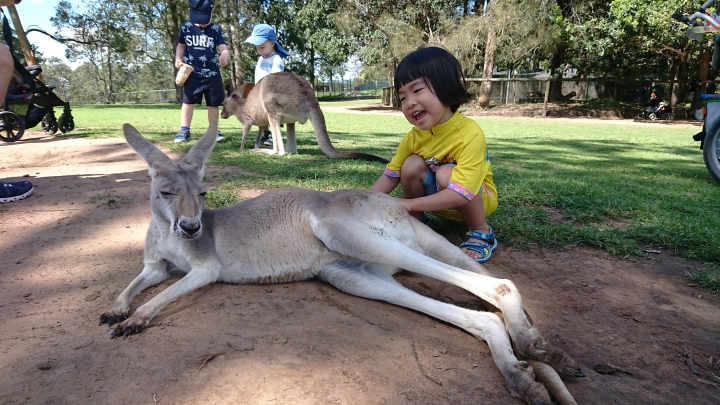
point(220, 138)
point(182, 136)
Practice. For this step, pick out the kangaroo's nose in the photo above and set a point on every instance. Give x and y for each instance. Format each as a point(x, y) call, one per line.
point(190, 227)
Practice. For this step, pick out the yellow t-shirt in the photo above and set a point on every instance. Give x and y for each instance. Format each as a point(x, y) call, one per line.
point(459, 140)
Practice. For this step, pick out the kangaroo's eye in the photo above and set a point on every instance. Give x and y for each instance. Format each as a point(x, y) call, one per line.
point(166, 193)
point(203, 194)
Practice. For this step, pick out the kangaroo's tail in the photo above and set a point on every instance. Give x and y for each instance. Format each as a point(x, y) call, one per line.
point(318, 121)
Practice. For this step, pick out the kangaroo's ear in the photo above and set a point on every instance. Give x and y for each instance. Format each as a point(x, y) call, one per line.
point(229, 88)
point(247, 87)
point(197, 155)
point(154, 157)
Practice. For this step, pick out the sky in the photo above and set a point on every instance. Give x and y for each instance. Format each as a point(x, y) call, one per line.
point(38, 13)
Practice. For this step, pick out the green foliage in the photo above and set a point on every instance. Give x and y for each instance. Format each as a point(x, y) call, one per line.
point(634, 37)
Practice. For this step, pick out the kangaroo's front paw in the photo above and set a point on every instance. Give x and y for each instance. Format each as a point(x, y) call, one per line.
point(133, 325)
point(115, 315)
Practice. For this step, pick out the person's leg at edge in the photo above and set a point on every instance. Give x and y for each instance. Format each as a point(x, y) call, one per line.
point(10, 191)
point(412, 175)
point(473, 211)
point(7, 67)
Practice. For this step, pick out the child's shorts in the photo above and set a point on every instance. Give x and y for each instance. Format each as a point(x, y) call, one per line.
point(490, 202)
point(197, 86)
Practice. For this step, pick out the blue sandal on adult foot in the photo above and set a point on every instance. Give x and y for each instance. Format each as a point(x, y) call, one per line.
point(486, 245)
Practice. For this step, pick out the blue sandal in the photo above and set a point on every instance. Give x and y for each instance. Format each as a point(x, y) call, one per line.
point(485, 247)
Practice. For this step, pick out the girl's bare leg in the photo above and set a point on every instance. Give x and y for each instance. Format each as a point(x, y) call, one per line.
point(412, 175)
point(473, 211)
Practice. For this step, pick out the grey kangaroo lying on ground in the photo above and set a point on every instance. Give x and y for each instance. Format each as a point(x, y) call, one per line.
point(282, 98)
point(355, 240)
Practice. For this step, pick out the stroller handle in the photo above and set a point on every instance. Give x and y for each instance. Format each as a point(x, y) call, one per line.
point(695, 16)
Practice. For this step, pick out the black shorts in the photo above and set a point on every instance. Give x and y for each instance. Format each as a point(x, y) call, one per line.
point(197, 86)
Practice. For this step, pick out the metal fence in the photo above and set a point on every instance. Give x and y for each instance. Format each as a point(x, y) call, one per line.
point(344, 88)
point(534, 90)
point(133, 97)
point(350, 88)
point(502, 91)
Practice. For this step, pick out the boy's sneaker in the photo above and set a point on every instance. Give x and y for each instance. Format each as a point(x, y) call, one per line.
point(182, 136)
point(220, 138)
point(266, 138)
point(15, 191)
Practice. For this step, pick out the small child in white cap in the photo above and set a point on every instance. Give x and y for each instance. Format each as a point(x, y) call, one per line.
point(270, 60)
point(271, 53)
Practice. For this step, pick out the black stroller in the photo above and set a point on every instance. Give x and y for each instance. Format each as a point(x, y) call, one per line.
point(29, 102)
point(653, 101)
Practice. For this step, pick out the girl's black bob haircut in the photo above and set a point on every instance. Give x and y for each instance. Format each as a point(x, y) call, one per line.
point(440, 70)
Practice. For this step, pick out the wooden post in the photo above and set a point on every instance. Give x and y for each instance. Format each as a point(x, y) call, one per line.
point(547, 97)
point(20, 32)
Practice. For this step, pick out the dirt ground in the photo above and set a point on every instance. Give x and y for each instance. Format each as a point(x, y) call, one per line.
point(72, 247)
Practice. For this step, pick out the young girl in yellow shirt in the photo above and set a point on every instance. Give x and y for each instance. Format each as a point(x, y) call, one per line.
point(443, 163)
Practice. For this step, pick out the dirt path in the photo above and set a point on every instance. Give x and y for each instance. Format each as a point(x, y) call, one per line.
point(69, 250)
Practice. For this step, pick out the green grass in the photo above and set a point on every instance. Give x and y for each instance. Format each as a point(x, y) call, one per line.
point(709, 279)
point(619, 186)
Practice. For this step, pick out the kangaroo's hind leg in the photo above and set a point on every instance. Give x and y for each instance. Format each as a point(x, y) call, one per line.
point(361, 240)
point(376, 282)
point(502, 294)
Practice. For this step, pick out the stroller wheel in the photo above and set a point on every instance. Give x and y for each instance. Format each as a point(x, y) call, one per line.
point(12, 127)
point(65, 123)
point(652, 116)
point(49, 124)
point(667, 117)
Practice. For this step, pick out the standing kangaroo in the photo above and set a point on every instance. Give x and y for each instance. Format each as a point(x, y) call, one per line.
point(355, 240)
point(282, 98)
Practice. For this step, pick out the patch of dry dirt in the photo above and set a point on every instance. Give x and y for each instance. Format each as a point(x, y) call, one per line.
point(68, 251)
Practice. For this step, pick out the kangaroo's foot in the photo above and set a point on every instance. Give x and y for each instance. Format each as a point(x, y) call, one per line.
point(268, 152)
point(537, 348)
point(520, 380)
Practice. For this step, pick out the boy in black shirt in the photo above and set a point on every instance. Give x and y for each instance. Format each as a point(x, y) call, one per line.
point(199, 41)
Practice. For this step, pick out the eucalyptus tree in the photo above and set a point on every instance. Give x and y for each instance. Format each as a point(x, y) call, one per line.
point(320, 39)
point(386, 31)
point(103, 36)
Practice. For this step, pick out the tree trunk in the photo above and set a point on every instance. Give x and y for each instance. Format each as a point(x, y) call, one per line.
point(173, 29)
point(702, 75)
point(236, 44)
point(488, 65)
point(313, 78)
point(556, 71)
point(394, 101)
point(109, 84)
point(678, 72)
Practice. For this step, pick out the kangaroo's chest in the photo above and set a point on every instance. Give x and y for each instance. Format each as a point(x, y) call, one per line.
point(174, 252)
